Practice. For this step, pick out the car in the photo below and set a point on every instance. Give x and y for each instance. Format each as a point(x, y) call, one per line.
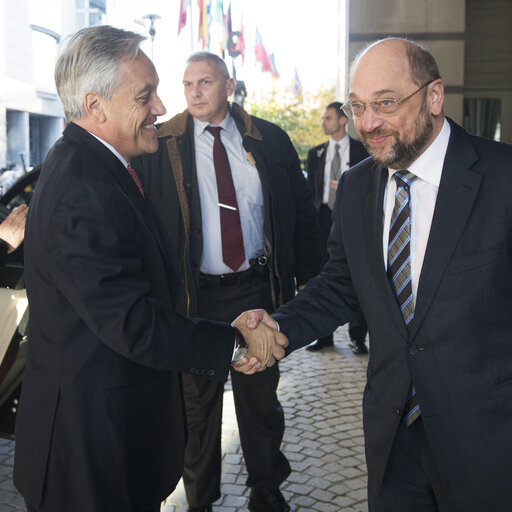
point(13, 311)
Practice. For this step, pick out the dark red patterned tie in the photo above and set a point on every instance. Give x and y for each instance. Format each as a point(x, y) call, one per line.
point(233, 252)
point(135, 178)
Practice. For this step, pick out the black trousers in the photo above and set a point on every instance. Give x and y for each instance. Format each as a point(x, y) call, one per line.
point(30, 508)
point(357, 327)
point(259, 414)
point(411, 482)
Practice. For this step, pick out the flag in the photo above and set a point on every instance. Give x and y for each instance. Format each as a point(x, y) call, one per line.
point(272, 59)
point(240, 42)
point(218, 33)
point(183, 14)
point(261, 54)
point(236, 44)
point(229, 28)
point(203, 33)
point(297, 86)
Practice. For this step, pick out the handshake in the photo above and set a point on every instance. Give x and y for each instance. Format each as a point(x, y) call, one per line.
point(265, 344)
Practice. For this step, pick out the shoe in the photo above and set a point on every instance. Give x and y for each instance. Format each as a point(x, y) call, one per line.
point(320, 344)
point(200, 509)
point(359, 349)
point(267, 500)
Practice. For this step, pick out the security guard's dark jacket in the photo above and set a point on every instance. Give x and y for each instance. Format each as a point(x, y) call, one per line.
point(290, 228)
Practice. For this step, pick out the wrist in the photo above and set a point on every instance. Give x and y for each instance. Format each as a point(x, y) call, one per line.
point(240, 345)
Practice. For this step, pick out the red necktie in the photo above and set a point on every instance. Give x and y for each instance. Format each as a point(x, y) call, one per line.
point(135, 178)
point(233, 252)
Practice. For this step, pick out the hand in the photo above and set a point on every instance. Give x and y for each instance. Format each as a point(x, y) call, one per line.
point(333, 184)
point(248, 365)
point(255, 316)
point(12, 229)
point(265, 344)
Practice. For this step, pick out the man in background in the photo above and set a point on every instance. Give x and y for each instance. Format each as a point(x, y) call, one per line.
point(232, 196)
point(325, 165)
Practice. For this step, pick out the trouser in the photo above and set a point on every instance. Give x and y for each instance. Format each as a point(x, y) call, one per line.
point(412, 481)
point(30, 508)
point(259, 414)
point(357, 328)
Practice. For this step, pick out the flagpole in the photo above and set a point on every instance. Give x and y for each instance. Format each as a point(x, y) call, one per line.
point(191, 30)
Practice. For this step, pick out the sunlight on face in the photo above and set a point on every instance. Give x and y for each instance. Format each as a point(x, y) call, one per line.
point(133, 109)
point(206, 91)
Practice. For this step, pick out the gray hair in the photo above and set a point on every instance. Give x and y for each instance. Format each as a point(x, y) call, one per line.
point(90, 62)
point(214, 59)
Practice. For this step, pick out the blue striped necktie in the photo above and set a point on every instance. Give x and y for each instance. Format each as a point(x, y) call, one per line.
point(399, 267)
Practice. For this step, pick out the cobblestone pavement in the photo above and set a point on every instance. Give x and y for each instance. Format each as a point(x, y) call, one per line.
point(321, 395)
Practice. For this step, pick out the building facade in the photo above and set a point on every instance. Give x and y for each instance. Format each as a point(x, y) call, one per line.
point(471, 41)
point(31, 115)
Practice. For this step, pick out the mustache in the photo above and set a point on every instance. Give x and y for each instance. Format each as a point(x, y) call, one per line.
point(378, 132)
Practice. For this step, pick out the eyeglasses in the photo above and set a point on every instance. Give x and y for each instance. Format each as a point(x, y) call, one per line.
point(383, 107)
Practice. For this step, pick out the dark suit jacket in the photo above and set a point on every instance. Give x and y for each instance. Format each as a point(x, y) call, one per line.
point(101, 424)
point(459, 351)
point(316, 165)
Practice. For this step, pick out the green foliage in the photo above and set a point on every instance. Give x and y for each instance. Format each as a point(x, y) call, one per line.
point(301, 118)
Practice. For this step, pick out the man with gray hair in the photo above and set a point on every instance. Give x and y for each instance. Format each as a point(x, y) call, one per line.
point(101, 425)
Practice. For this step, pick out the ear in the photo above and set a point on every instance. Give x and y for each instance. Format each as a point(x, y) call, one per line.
point(436, 97)
point(230, 87)
point(93, 106)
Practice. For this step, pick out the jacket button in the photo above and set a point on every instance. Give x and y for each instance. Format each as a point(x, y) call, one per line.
point(211, 373)
point(413, 351)
point(397, 411)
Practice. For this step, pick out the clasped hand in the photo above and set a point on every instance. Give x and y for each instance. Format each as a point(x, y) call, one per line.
point(265, 343)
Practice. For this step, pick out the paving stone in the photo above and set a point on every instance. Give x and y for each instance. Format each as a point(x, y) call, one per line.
point(321, 396)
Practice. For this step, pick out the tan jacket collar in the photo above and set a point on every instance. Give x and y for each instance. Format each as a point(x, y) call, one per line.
point(178, 124)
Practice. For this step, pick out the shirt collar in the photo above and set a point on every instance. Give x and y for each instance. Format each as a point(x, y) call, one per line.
point(228, 124)
point(112, 148)
point(429, 165)
point(343, 142)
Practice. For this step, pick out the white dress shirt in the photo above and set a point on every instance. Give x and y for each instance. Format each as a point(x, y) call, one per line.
point(249, 196)
point(344, 151)
point(112, 148)
point(427, 169)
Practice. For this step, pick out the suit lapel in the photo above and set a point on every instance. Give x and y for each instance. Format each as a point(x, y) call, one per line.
point(128, 185)
point(321, 169)
point(457, 193)
point(373, 226)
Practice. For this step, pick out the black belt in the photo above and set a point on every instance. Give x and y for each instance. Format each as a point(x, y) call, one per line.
point(259, 267)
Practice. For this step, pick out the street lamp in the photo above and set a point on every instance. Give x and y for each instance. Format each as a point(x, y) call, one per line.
point(152, 30)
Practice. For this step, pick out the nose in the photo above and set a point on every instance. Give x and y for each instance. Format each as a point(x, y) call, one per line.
point(196, 91)
point(370, 120)
point(158, 108)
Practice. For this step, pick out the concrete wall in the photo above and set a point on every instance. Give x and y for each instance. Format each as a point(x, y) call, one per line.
point(437, 24)
point(488, 61)
point(470, 39)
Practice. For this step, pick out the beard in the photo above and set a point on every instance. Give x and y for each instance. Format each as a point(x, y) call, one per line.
point(403, 152)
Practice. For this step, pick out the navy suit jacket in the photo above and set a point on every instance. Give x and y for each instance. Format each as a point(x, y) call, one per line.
point(459, 350)
point(101, 424)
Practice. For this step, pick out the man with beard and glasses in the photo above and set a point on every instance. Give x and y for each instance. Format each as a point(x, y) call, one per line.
point(422, 242)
